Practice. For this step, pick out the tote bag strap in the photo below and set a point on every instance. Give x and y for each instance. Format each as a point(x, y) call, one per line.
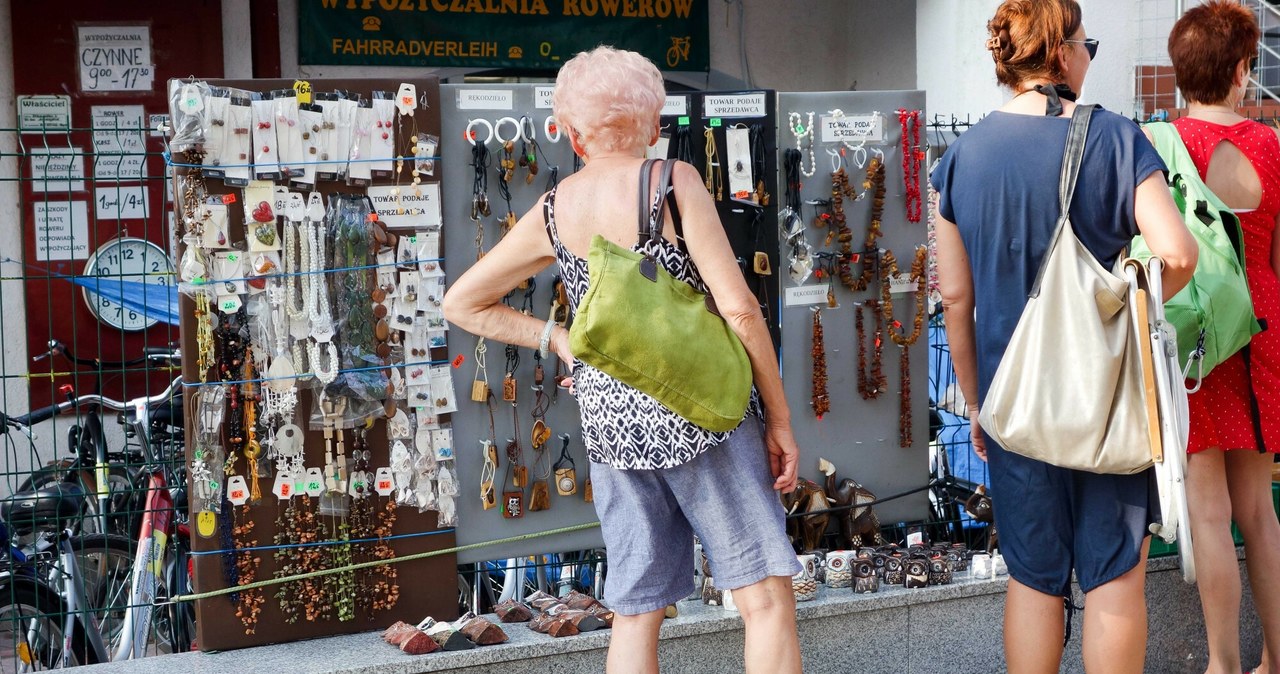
point(1072, 158)
point(642, 218)
point(651, 219)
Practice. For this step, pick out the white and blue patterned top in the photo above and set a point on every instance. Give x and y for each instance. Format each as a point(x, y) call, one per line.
point(621, 426)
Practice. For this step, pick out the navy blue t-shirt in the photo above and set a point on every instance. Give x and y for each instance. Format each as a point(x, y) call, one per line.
point(998, 182)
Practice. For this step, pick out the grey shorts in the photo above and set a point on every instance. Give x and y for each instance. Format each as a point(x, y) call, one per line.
point(648, 518)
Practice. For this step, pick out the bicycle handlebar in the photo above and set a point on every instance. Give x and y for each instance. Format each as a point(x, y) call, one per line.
point(171, 353)
point(36, 416)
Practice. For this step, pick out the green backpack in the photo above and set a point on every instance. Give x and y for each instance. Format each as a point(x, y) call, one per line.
point(1213, 314)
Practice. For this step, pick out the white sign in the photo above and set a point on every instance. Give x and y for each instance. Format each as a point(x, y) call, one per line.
point(542, 97)
point(675, 106)
point(853, 128)
point(62, 230)
point(738, 105)
point(36, 113)
point(407, 210)
point(115, 58)
point(486, 99)
point(57, 169)
point(126, 202)
point(806, 295)
point(119, 143)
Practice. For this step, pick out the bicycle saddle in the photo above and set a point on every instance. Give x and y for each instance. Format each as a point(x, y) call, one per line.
point(46, 508)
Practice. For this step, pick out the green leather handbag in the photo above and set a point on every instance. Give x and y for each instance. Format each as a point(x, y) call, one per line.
point(1213, 314)
point(656, 333)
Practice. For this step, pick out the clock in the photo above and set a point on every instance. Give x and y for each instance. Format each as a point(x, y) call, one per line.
point(127, 259)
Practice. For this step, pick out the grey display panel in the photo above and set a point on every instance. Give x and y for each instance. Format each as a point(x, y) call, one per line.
point(471, 422)
point(859, 436)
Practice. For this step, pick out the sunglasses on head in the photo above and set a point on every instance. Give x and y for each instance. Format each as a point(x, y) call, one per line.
point(1090, 45)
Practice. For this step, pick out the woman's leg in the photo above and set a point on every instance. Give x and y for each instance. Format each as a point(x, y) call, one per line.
point(1033, 628)
point(1249, 484)
point(768, 609)
point(1115, 622)
point(633, 643)
point(1217, 571)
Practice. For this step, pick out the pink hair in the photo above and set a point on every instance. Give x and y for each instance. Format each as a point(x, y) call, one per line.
point(609, 98)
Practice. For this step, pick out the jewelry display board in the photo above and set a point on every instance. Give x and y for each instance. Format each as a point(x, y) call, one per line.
point(372, 267)
point(476, 214)
point(851, 409)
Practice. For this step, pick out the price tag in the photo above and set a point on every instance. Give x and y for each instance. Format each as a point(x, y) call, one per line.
point(283, 488)
point(229, 304)
point(229, 198)
point(237, 490)
point(683, 121)
point(715, 121)
point(314, 482)
point(406, 98)
point(383, 483)
point(457, 362)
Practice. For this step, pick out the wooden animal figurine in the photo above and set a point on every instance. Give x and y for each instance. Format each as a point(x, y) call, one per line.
point(806, 532)
point(858, 526)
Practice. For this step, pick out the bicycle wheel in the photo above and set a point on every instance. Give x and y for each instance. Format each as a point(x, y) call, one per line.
point(106, 566)
point(32, 628)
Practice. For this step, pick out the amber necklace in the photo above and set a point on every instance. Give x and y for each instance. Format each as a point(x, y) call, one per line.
point(874, 183)
point(821, 401)
point(870, 383)
point(889, 267)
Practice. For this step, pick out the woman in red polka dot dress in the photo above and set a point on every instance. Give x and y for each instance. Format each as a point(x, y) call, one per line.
point(1235, 417)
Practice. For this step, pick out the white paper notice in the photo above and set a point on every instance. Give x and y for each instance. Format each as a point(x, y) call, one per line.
point(415, 207)
point(733, 105)
point(805, 295)
point(853, 128)
point(119, 142)
point(37, 113)
point(115, 58)
point(125, 202)
point(62, 230)
point(486, 99)
point(57, 169)
point(542, 97)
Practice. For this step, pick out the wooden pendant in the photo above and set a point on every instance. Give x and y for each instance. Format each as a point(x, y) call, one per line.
point(479, 390)
point(519, 476)
point(513, 504)
point(540, 497)
point(509, 388)
point(566, 481)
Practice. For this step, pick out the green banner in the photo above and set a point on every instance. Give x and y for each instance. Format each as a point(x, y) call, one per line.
point(534, 34)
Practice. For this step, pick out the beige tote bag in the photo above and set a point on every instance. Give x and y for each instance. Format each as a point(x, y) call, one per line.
point(1069, 389)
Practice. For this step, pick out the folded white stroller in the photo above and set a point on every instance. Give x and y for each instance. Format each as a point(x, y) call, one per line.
point(1167, 414)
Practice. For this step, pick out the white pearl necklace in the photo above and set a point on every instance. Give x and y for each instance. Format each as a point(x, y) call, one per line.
point(793, 121)
point(318, 311)
point(293, 280)
point(325, 373)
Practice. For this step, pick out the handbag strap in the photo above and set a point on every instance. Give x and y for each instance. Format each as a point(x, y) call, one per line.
point(650, 226)
point(1072, 158)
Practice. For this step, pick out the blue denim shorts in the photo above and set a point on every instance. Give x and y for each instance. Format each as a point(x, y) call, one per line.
point(648, 518)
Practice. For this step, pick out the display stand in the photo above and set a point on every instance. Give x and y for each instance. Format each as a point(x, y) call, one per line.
point(861, 437)
point(424, 587)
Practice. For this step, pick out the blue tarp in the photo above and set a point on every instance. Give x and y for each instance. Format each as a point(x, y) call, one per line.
point(153, 300)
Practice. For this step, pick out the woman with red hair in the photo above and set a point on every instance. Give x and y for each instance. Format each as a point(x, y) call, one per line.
point(1235, 416)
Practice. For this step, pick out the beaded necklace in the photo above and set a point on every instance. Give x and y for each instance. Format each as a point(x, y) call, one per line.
point(802, 131)
point(820, 401)
point(874, 183)
point(713, 172)
point(889, 267)
point(871, 383)
point(911, 158)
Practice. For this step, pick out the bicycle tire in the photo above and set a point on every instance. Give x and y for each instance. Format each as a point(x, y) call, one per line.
point(22, 599)
point(108, 584)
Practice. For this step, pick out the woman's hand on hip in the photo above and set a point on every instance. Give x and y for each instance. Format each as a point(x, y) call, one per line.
point(784, 456)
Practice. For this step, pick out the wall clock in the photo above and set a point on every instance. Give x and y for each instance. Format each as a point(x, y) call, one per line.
point(127, 259)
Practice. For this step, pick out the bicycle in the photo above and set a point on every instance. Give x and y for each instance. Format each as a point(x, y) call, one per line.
point(114, 510)
point(118, 590)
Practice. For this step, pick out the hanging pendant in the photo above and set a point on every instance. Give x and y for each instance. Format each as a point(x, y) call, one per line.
point(540, 496)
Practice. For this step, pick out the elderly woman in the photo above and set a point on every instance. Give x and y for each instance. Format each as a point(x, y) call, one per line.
point(998, 207)
point(658, 479)
point(1235, 416)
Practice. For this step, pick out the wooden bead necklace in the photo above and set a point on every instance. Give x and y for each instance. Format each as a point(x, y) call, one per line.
point(888, 269)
